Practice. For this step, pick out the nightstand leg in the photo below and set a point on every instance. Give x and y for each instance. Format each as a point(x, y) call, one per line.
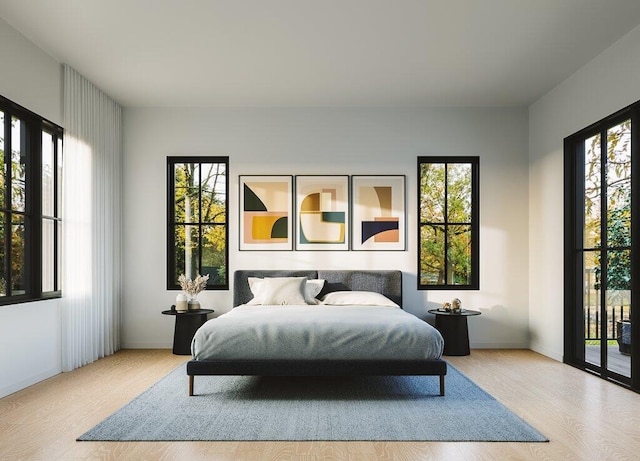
point(186, 326)
point(455, 332)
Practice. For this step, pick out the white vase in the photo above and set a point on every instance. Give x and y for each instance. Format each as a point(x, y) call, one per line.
point(181, 302)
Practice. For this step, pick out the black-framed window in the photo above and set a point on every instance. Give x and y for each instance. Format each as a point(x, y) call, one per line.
point(30, 205)
point(197, 215)
point(448, 227)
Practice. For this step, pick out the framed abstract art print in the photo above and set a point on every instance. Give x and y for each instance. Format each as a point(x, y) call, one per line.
point(266, 214)
point(322, 212)
point(378, 220)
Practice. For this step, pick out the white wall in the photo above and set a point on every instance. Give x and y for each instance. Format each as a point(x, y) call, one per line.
point(29, 333)
point(521, 197)
point(330, 141)
point(608, 83)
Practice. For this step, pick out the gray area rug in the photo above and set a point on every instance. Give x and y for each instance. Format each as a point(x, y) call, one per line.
point(396, 408)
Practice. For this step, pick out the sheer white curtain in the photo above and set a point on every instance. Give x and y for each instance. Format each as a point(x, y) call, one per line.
point(91, 221)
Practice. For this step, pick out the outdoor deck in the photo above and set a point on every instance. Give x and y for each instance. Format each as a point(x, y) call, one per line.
point(616, 361)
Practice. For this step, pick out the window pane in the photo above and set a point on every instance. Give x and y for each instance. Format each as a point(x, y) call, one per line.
point(432, 195)
point(214, 193)
point(3, 256)
point(619, 185)
point(214, 253)
point(619, 312)
point(432, 255)
point(186, 252)
point(48, 255)
point(459, 193)
point(59, 180)
point(459, 255)
point(591, 306)
point(18, 269)
point(186, 198)
point(59, 283)
point(2, 161)
point(592, 192)
point(18, 164)
point(48, 173)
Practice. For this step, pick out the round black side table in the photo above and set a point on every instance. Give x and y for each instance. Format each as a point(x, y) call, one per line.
point(186, 325)
point(454, 330)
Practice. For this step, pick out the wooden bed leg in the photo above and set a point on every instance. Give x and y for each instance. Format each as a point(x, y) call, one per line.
point(191, 386)
point(442, 385)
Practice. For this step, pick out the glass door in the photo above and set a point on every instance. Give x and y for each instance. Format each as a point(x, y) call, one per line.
point(600, 273)
point(607, 249)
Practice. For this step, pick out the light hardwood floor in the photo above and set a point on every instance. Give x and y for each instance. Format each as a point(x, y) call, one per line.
point(585, 417)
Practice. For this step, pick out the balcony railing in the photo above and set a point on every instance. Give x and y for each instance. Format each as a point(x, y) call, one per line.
point(592, 327)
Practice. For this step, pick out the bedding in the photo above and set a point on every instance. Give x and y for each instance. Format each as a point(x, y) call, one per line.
point(340, 337)
point(343, 332)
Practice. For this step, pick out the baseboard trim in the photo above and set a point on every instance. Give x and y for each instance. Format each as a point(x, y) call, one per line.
point(499, 346)
point(29, 381)
point(129, 345)
point(547, 353)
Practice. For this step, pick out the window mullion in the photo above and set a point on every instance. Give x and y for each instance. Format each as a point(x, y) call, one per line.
point(33, 225)
point(603, 248)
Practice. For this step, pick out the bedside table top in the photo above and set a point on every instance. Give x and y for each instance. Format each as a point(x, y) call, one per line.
point(465, 312)
point(191, 312)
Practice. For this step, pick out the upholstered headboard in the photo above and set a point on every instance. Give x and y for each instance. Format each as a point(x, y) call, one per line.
point(388, 283)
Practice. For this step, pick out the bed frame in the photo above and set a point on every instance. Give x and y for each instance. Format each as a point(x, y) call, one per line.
point(389, 283)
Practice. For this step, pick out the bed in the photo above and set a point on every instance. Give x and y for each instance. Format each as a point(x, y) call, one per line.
point(293, 348)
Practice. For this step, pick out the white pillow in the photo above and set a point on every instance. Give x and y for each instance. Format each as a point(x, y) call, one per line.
point(258, 286)
point(284, 291)
point(356, 298)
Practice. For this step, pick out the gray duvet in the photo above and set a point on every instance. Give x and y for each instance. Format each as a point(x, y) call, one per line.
point(317, 332)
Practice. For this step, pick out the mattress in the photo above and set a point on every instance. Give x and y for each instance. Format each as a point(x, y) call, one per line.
point(304, 332)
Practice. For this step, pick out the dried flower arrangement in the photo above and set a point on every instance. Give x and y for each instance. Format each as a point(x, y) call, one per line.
point(193, 287)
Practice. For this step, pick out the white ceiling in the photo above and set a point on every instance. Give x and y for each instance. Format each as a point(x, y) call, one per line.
point(323, 52)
